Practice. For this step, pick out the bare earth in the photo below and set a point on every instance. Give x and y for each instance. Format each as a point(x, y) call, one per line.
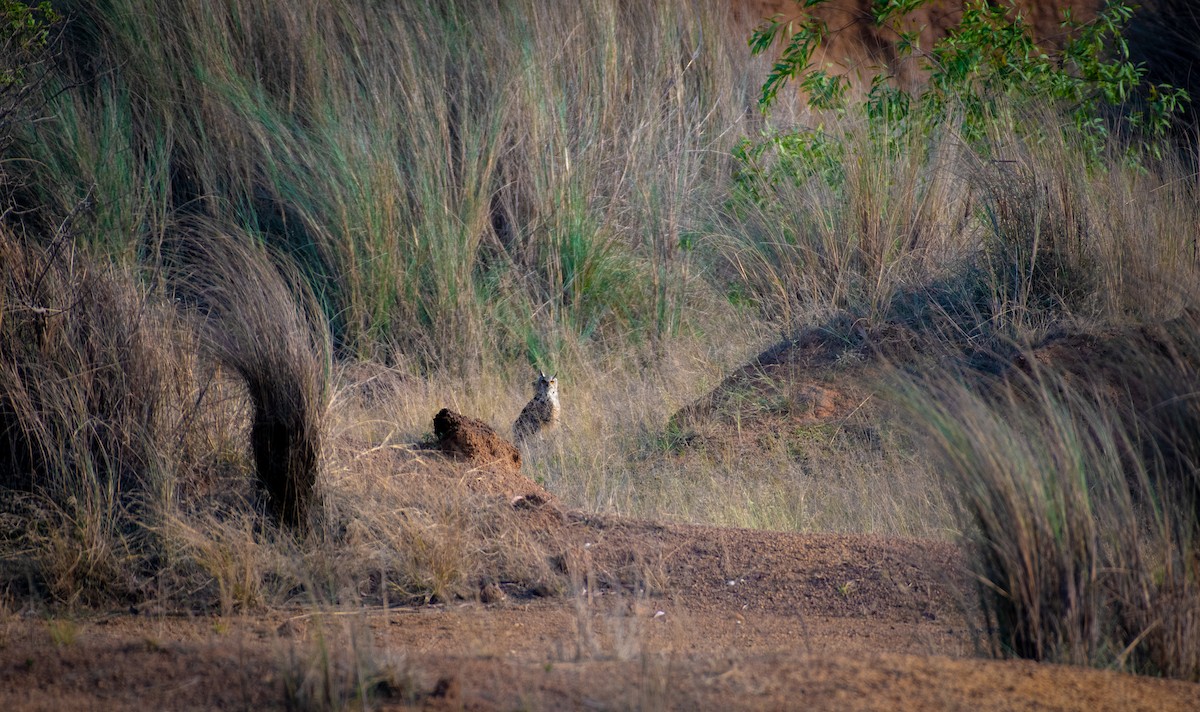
point(665, 616)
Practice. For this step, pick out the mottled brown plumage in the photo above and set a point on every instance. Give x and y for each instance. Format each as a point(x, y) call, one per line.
point(541, 413)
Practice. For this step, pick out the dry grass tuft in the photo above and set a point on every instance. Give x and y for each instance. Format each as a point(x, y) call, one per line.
point(341, 667)
point(253, 325)
point(1078, 496)
point(82, 386)
point(404, 525)
point(84, 390)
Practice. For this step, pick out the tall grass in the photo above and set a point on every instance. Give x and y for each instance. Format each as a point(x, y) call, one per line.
point(845, 224)
point(152, 453)
point(278, 347)
point(1003, 239)
point(1080, 501)
point(89, 402)
point(459, 187)
point(458, 182)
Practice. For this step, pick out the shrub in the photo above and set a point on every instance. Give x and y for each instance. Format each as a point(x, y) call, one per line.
point(985, 65)
point(24, 48)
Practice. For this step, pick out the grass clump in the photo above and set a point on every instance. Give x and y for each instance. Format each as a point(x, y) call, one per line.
point(1078, 489)
point(253, 326)
point(83, 386)
point(341, 668)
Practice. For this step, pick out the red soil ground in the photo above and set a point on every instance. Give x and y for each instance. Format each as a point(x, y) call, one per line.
point(664, 616)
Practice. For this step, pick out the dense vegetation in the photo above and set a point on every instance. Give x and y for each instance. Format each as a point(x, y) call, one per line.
point(1077, 477)
point(215, 211)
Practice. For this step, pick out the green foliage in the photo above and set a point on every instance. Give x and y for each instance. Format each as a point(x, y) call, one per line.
point(980, 75)
point(992, 54)
point(24, 39)
point(786, 158)
point(803, 39)
point(26, 32)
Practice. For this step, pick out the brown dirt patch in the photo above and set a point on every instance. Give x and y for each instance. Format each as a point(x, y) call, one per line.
point(826, 375)
point(496, 466)
point(666, 616)
point(1117, 361)
point(474, 440)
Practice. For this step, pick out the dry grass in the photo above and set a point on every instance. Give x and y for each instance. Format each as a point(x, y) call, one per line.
point(1080, 495)
point(341, 667)
point(465, 194)
point(996, 245)
point(86, 398)
point(616, 452)
point(130, 462)
point(276, 343)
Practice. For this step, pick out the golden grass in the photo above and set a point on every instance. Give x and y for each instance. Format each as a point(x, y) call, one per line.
point(1080, 498)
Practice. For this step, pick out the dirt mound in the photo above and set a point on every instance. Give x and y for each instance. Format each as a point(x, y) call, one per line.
point(826, 374)
point(471, 439)
point(830, 372)
point(1118, 360)
point(467, 469)
point(1144, 372)
point(496, 463)
point(1148, 374)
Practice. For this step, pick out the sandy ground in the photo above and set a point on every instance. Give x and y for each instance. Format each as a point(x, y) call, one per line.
point(663, 617)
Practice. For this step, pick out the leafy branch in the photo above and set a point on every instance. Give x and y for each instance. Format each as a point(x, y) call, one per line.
point(988, 59)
